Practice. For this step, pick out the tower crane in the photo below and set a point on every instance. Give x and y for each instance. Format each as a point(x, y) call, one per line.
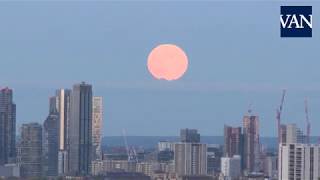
point(308, 126)
point(278, 115)
point(131, 152)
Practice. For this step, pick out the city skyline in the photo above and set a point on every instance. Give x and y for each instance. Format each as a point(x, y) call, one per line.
point(231, 65)
point(303, 127)
point(160, 90)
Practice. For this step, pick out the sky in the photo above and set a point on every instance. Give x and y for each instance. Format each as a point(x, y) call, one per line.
point(236, 58)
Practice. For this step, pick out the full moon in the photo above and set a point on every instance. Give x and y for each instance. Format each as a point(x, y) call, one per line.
point(167, 61)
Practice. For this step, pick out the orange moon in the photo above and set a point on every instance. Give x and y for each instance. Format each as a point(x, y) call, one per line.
point(167, 61)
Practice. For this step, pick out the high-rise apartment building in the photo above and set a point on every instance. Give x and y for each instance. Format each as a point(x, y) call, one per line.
point(80, 150)
point(97, 118)
point(7, 127)
point(251, 149)
point(190, 158)
point(233, 141)
point(299, 161)
point(30, 150)
point(189, 136)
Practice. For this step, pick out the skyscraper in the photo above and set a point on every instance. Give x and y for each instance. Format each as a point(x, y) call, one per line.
point(97, 127)
point(190, 158)
point(299, 161)
point(189, 135)
point(251, 142)
point(7, 127)
point(80, 150)
point(63, 106)
point(233, 141)
point(30, 150)
point(50, 141)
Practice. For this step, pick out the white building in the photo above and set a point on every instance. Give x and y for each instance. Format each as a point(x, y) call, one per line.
point(231, 167)
point(97, 116)
point(299, 161)
point(63, 103)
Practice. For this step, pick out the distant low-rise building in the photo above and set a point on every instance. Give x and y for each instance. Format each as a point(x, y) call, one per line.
point(9, 170)
point(97, 167)
point(146, 168)
point(195, 177)
point(119, 165)
point(165, 146)
point(126, 176)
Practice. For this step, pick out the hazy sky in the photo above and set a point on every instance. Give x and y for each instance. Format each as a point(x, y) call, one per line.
point(236, 57)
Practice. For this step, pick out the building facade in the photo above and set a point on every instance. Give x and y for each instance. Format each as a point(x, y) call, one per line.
point(190, 158)
point(97, 119)
point(63, 106)
point(214, 154)
point(299, 161)
point(30, 150)
point(231, 167)
point(293, 134)
point(233, 141)
point(189, 136)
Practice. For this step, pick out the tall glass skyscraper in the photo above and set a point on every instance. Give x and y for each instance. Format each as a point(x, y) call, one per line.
point(63, 106)
point(50, 141)
point(80, 151)
point(7, 127)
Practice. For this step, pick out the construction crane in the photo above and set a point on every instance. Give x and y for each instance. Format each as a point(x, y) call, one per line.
point(278, 116)
point(308, 130)
point(131, 152)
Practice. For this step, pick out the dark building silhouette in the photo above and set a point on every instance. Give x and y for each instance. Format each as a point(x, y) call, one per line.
point(30, 150)
point(7, 127)
point(189, 136)
point(51, 141)
point(80, 151)
point(214, 154)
